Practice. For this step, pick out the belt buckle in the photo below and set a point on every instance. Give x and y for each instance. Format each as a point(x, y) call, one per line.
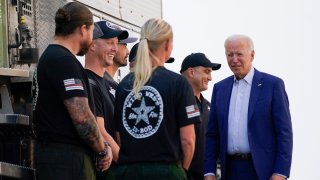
point(244, 156)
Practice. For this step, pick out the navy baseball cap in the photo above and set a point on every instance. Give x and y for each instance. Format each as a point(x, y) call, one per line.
point(110, 31)
point(126, 40)
point(198, 59)
point(133, 53)
point(97, 32)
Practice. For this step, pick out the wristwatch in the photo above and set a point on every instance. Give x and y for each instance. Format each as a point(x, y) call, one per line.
point(104, 152)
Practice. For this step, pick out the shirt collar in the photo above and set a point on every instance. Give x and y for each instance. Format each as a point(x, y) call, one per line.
point(199, 100)
point(248, 78)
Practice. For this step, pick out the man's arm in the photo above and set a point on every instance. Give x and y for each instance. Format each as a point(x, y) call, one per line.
point(212, 138)
point(282, 120)
point(114, 146)
point(187, 138)
point(84, 122)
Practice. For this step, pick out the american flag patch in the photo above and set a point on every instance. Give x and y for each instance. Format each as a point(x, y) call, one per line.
point(192, 111)
point(73, 84)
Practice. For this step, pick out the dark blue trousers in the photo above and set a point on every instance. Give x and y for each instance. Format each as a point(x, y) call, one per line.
point(241, 170)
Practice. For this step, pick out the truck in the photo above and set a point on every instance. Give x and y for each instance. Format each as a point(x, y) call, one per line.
point(26, 29)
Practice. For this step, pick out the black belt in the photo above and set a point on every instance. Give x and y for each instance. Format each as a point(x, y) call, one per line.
point(239, 156)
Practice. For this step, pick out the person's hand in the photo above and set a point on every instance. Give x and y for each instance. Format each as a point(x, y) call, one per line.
point(277, 177)
point(210, 177)
point(105, 163)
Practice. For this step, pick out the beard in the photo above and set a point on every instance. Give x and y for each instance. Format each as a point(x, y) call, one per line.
point(120, 63)
point(84, 47)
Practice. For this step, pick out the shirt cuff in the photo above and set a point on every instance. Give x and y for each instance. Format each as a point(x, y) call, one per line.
point(209, 174)
point(281, 175)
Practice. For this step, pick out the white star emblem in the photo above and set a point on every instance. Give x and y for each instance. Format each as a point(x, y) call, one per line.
point(142, 112)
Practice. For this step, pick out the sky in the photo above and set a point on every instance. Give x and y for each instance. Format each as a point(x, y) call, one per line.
point(286, 35)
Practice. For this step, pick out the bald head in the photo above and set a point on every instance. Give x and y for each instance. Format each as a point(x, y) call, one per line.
point(240, 37)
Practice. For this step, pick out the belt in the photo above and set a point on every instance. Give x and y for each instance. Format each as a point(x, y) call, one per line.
point(240, 156)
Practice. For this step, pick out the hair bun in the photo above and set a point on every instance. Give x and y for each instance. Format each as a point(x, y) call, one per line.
point(62, 16)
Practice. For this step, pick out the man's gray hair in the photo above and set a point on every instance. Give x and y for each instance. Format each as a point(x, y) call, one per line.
point(238, 37)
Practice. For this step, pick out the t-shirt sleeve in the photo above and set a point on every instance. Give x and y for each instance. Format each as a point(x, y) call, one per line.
point(67, 77)
point(187, 109)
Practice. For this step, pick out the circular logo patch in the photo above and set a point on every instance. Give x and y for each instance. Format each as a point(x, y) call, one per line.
point(142, 118)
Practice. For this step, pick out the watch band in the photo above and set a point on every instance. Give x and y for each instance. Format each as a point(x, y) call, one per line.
point(104, 152)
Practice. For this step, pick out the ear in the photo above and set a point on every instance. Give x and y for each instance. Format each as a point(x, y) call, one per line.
point(252, 55)
point(83, 30)
point(190, 72)
point(93, 46)
point(167, 45)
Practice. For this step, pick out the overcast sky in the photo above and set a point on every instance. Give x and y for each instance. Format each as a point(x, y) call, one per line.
point(286, 34)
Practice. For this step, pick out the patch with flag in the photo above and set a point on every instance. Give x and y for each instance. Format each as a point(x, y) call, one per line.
point(73, 84)
point(192, 111)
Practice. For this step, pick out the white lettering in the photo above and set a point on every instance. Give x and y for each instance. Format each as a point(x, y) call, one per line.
point(135, 129)
point(132, 116)
point(146, 129)
point(153, 115)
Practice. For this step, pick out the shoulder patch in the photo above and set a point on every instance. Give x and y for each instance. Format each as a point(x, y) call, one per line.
point(192, 111)
point(73, 84)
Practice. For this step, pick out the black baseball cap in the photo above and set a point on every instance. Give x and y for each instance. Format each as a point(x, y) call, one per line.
point(133, 53)
point(111, 31)
point(198, 59)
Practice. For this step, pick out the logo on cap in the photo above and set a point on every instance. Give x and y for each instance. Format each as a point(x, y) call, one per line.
point(110, 25)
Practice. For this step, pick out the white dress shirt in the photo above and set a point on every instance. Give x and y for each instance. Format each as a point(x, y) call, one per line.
point(238, 115)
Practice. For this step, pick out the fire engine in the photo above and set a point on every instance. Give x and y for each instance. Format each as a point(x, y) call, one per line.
point(26, 29)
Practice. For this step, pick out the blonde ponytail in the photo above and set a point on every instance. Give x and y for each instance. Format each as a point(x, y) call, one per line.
point(153, 33)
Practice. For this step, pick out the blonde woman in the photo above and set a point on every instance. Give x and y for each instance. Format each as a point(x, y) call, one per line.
point(155, 112)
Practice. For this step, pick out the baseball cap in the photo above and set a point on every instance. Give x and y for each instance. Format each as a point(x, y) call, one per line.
point(110, 31)
point(97, 32)
point(126, 40)
point(198, 59)
point(133, 53)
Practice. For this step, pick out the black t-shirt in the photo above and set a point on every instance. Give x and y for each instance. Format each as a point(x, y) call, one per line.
point(111, 85)
point(103, 103)
point(150, 127)
point(197, 162)
point(59, 76)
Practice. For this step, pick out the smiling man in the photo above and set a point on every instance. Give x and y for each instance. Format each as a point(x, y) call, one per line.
point(197, 69)
point(100, 56)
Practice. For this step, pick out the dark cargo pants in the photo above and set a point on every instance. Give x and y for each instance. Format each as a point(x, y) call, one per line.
point(63, 161)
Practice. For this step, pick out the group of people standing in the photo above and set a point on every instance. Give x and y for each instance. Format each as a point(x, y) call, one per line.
point(154, 124)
